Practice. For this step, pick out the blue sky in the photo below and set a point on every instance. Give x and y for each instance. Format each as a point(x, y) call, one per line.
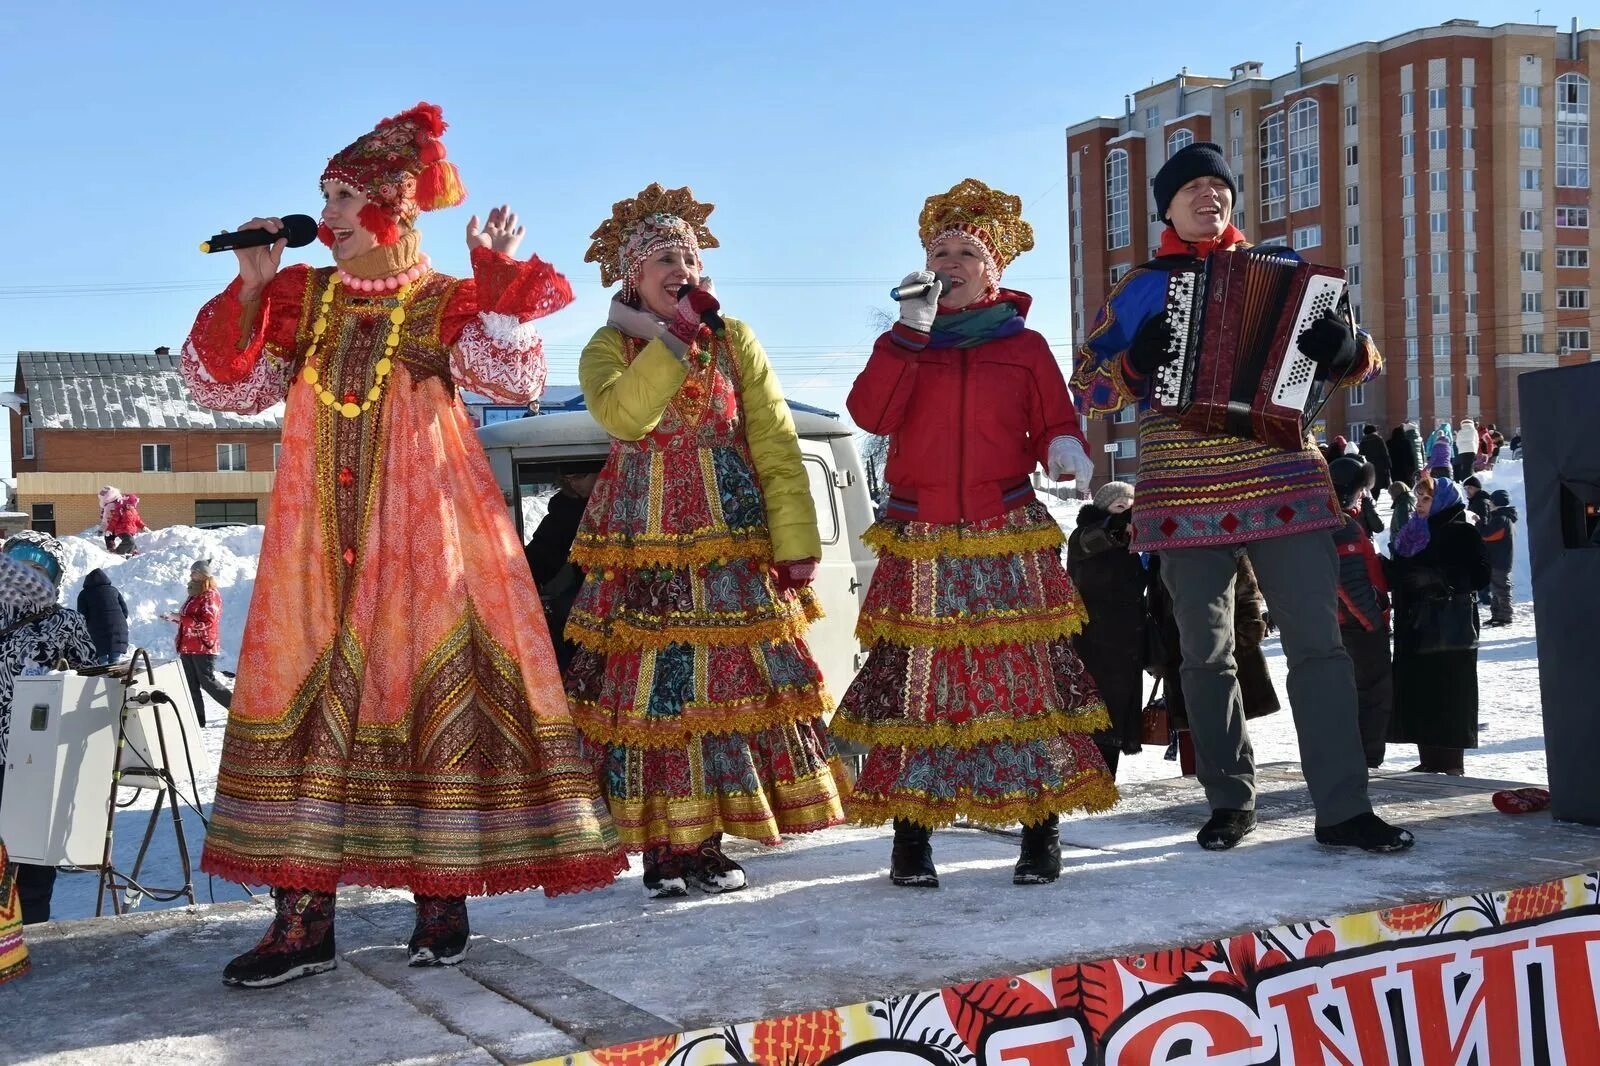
point(816, 129)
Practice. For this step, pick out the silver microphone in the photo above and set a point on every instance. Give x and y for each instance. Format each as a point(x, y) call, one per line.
point(917, 288)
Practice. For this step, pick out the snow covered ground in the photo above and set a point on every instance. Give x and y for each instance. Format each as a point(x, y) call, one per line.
point(1512, 745)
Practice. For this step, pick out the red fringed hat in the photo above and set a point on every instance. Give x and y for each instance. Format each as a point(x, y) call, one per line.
point(401, 167)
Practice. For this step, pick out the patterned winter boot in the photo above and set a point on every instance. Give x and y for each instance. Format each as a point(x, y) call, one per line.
point(714, 872)
point(665, 874)
point(440, 937)
point(298, 943)
point(911, 861)
point(1040, 861)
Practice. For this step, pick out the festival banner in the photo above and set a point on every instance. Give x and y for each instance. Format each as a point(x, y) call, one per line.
point(1495, 978)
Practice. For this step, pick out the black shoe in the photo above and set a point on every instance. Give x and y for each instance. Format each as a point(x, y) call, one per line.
point(911, 861)
point(441, 934)
point(1225, 828)
point(297, 944)
point(666, 879)
point(713, 872)
point(1040, 861)
point(1367, 832)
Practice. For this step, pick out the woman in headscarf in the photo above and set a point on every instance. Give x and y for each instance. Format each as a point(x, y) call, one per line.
point(398, 719)
point(1439, 561)
point(972, 701)
point(692, 682)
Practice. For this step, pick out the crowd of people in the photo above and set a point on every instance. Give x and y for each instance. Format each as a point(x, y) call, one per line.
point(421, 705)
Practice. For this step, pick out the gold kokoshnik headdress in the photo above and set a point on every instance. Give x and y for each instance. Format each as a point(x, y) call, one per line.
point(987, 217)
point(638, 227)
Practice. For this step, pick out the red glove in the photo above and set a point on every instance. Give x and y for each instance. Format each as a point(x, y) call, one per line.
point(686, 323)
point(794, 575)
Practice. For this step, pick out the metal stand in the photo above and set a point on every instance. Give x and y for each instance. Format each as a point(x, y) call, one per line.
point(125, 889)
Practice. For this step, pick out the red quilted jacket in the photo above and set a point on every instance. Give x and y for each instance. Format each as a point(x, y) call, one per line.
point(200, 624)
point(967, 426)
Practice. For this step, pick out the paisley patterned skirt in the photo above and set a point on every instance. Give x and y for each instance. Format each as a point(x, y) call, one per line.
point(13, 952)
point(698, 700)
point(972, 701)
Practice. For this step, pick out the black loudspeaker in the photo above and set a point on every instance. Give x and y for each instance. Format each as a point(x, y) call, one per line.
point(1561, 467)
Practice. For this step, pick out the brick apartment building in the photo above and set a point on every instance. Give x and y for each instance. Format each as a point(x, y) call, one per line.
point(1446, 169)
point(89, 419)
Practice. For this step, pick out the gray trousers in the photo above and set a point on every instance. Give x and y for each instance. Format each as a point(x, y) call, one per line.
point(1500, 596)
point(1299, 576)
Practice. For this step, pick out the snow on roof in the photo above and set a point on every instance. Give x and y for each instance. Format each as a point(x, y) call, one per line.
point(121, 390)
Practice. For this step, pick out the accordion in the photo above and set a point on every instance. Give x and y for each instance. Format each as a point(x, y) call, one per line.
point(1235, 319)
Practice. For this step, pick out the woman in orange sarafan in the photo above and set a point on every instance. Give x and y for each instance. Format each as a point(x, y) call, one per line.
point(398, 719)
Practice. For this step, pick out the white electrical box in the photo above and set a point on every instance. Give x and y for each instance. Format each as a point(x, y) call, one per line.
point(62, 754)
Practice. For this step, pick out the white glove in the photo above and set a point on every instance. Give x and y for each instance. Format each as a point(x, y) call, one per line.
point(1069, 462)
point(918, 312)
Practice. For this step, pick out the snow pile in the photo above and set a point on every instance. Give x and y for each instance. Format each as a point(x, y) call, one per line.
point(155, 582)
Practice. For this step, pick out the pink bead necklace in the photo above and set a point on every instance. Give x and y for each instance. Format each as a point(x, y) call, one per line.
point(388, 284)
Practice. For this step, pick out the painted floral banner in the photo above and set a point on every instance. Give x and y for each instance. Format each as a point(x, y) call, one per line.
point(1504, 977)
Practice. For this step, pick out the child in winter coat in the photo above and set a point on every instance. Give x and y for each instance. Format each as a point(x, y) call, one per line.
point(1441, 456)
point(119, 520)
point(1364, 610)
point(199, 638)
point(1499, 536)
point(106, 613)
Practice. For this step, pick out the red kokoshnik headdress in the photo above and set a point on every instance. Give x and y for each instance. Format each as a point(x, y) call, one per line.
point(401, 167)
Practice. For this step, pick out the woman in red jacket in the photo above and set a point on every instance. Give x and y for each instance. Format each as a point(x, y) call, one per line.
point(200, 638)
point(972, 701)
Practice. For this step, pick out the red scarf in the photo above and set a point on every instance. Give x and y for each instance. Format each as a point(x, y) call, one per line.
point(1172, 244)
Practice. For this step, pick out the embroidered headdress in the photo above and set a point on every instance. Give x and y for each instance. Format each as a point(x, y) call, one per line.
point(401, 167)
point(987, 217)
point(655, 219)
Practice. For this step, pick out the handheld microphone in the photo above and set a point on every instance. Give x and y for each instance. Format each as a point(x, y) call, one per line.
point(298, 230)
point(915, 289)
point(709, 316)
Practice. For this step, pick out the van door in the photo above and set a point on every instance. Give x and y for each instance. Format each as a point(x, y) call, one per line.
point(832, 639)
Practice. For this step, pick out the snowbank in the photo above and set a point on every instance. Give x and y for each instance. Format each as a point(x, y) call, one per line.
point(155, 581)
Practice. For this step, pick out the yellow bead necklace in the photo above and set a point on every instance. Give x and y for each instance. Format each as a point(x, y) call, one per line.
point(347, 406)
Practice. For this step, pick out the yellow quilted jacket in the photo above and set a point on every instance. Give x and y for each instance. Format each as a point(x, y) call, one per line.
point(628, 400)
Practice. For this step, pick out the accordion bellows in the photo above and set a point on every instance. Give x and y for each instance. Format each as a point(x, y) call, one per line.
point(1235, 319)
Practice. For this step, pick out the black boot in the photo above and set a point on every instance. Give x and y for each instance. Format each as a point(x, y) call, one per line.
point(1367, 832)
point(665, 874)
point(911, 861)
point(714, 872)
point(1225, 828)
point(1040, 861)
point(440, 936)
point(298, 943)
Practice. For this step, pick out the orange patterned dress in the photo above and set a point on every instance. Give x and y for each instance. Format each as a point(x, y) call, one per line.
point(398, 718)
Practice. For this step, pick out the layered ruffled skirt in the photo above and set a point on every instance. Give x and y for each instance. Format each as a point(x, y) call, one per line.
point(693, 687)
point(972, 701)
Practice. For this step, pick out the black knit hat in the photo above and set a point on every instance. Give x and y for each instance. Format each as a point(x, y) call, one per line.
point(1349, 474)
point(1202, 159)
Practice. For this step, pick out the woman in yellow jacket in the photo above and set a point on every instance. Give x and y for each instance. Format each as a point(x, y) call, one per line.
point(691, 680)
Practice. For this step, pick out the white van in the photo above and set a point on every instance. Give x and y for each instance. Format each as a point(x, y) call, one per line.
point(527, 453)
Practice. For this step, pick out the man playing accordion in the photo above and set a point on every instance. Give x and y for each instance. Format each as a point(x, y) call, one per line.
point(1205, 496)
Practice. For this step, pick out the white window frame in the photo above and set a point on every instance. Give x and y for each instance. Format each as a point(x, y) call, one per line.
point(1573, 340)
point(1438, 139)
point(225, 458)
point(27, 437)
point(150, 459)
point(1119, 223)
point(1532, 302)
point(1575, 298)
point(1179, 140)
point(1576, 215)
point(1307, 237)
point(1304, 156)
point(1273, 166)
point(1572, 132)
point(1436, 98)
point(1572, 257)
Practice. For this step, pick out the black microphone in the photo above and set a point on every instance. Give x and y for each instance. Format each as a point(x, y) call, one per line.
point(917, 288)
point(298, 230)
point(708, 317)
